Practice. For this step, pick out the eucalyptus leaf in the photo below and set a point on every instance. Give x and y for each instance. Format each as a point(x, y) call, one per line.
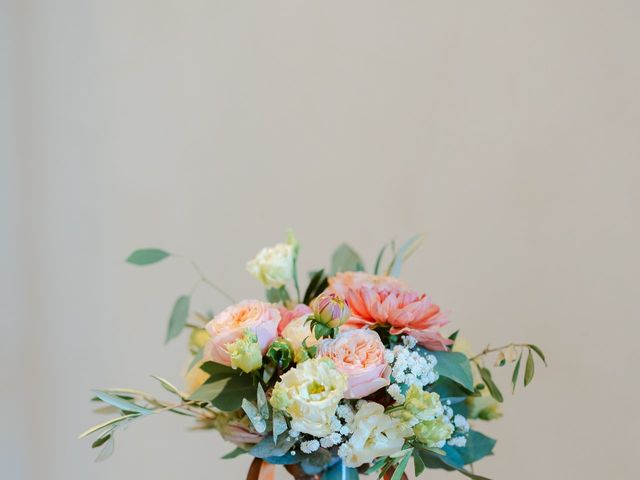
point(452, 365)
point(529, 369)
point(226, 394)
point(418, 464)
point(268, 448)
point(263, 406)
point(276, 295)
point(218, 371)
point(121, 403)
point(254, 416)
point(179, 316)
point(345, 259)
point(478, 446)
point(279, 425)
point(147, 256)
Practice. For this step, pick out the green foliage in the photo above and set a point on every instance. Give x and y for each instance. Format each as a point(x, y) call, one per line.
point(280, 294)
point(529, 369)
point(179, 316)
point(478, 446)
point(121, 403)
point(376, 268)
point(516, 372)
point(495, 392)
point(226, 388)
point(403, 253)
point(317, 284)
point(267, 447)
point(453, 365)
point(147, 256)
point(168, 386)
point(402, 466)
point(234, 453)
point(345, 259)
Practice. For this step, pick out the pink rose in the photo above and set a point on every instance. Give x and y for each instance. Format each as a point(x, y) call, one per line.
point(359, 354)
point(229, 325)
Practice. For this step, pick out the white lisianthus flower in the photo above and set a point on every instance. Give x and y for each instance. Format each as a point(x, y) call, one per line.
point(375, 434)
point(310, 394)
point(273, 266)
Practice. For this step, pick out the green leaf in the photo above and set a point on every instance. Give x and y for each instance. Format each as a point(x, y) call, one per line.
point(179, 316)
point(279, 425)
point(101, 440)
point(263, 406)
point(529, 369)
point(536, 349)
point(339, 471)
point(478, 446)
point(402, 466)
point(226, 394)
point(217, 371)
point(317, 284)
point(268, 448)
point(167, 385)
point(275, 295)
point(121, 403)
point(107, 450)
point(376, 466)
point(488, 381)
point(516, 372)
point(147, 256)
point(403, 253)
point(376, 269)
point(345, 259)
point(108, 423)
point(418, 464)
point(453, 365)
point(234, 453)
point(254, 416)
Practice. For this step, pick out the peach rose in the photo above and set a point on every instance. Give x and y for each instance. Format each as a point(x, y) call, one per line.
point(359, 354)
point(230, 325)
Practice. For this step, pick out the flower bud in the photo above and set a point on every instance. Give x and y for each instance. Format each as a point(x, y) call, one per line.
point(433, 433)
point(273, 266)
point(330, 310)
point(198, 339)
point(245, 353)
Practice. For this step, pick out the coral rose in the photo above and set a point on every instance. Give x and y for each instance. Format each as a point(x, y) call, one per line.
point(231, 324)
point(344, 281)
point(360, 355)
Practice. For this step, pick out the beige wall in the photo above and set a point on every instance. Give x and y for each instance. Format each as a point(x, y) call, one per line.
point(508, 132)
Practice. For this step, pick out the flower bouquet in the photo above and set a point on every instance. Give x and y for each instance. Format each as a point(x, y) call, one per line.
point(350, 376)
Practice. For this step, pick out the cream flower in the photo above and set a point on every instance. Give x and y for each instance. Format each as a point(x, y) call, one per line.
point(375, 434)
point(360, 355)
point(273, 266)
point(310, 394)
point(293, 329)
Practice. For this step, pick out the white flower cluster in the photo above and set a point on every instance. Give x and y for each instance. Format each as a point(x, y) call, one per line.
point(408, 368)
point(462, 428)
point(340, 426)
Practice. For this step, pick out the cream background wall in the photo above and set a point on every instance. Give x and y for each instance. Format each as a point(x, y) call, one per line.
point(508, 132)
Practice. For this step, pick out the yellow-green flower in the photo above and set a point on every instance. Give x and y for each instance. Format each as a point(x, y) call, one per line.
point(422, 405)
point(433, 433)
point(245, 353)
